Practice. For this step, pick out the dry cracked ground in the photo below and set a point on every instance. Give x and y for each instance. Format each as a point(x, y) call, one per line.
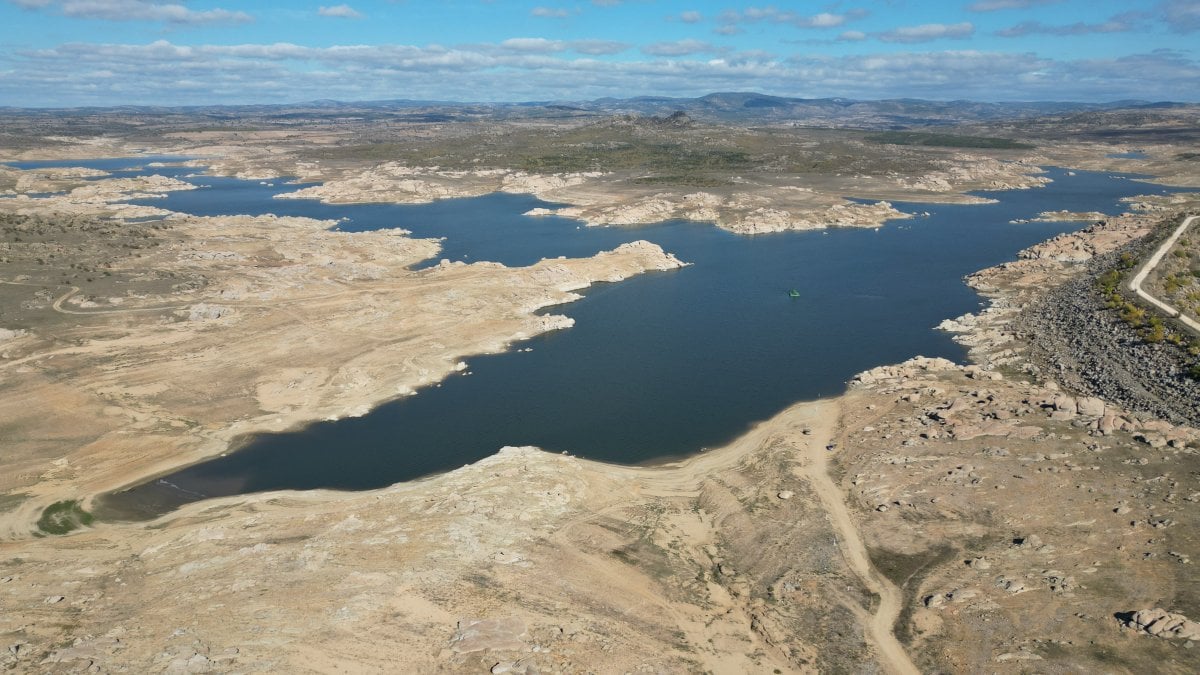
point(935, 518)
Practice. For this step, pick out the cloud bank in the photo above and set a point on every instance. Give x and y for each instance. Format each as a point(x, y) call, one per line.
point(165, 73)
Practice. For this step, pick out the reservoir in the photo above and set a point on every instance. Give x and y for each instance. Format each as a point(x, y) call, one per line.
point(656, 367)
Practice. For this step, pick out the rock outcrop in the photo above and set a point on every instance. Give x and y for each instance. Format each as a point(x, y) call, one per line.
point(1162, 624)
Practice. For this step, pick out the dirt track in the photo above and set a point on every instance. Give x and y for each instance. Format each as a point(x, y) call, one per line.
point(881, 624)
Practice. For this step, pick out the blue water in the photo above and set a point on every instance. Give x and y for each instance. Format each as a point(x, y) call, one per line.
point(118, 166)
point(658, 366)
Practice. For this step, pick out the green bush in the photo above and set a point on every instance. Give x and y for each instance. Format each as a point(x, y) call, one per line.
point(1133, 315)
point(1156, 332)
point(63, 517)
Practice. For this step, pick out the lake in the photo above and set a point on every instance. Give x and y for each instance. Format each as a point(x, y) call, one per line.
point(656, 367)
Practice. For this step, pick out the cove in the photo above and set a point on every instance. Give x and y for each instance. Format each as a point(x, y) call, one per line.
point(656, 367)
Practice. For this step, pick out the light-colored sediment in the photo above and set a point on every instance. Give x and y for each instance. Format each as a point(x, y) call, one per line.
point(525, 558)
point(1064, 216)
point(284, 322)
point(105, 197)
point(752, 206)
point(1005, 523)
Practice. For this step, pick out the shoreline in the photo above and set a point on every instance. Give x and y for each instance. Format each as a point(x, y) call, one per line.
point(731, 559)
point(220, 443)
point(547, 284)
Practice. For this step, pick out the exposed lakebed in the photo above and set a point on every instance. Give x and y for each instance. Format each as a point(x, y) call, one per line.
point(659, 366)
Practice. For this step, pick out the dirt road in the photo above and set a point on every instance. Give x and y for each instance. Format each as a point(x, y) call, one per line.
point(880, 625)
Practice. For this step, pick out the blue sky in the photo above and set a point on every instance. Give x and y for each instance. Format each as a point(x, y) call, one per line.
point(184, 52)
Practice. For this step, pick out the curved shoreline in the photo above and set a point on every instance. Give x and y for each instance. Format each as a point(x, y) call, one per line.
point(164, 470)
point(547, 539)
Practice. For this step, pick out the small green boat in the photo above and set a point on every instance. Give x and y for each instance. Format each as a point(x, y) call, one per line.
point(794, 293)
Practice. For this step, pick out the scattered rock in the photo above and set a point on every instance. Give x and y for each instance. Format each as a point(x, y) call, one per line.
point(513, 668)
point(1011, 585)
point(1028, 541)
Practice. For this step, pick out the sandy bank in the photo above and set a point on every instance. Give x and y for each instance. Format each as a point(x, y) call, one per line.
point(281, 321)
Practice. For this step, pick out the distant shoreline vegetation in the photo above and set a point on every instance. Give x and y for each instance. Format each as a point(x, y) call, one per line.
point(946, 140)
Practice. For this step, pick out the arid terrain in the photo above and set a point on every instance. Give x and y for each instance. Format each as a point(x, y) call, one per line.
point(1032, 511)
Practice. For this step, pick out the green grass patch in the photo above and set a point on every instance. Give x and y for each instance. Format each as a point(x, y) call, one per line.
point(63, 517)
point(906, 571)
point(936, 140)
point(690, 181)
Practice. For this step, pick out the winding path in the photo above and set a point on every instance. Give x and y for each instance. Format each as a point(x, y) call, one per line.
point(880, 626)
point(1135, 284)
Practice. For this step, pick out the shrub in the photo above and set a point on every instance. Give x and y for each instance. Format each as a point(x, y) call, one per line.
point(63, 517)
point(1133, 315)
point(1156, 332)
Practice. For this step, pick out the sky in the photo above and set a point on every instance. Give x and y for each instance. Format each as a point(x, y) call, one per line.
point(59, 53)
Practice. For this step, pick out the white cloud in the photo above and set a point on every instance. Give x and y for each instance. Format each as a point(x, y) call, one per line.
point(680, 48)
point(533, 45)
point(995, 5)
point(1181, 16)
point(136, 10)
point(597, 47)
point(339, 12)
point(774, 15)
point(691, 17)
point(852, 36)
point(163, 73)
point(826, 20)
point(550, 12)
point(1120, 23)
point(928, 32)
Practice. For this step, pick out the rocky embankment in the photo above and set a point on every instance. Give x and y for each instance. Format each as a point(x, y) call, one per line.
point(1047, 319)
point(1076, 340)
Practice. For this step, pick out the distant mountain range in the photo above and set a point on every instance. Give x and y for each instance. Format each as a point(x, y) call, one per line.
point(730, 107)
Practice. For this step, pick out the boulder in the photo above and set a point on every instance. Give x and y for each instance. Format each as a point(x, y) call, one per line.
point(1163, 624)
point(1064, 402)
point(476, 635)
point(1089, 406)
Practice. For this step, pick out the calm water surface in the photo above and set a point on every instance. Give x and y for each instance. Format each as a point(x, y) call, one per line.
point(657, 366)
